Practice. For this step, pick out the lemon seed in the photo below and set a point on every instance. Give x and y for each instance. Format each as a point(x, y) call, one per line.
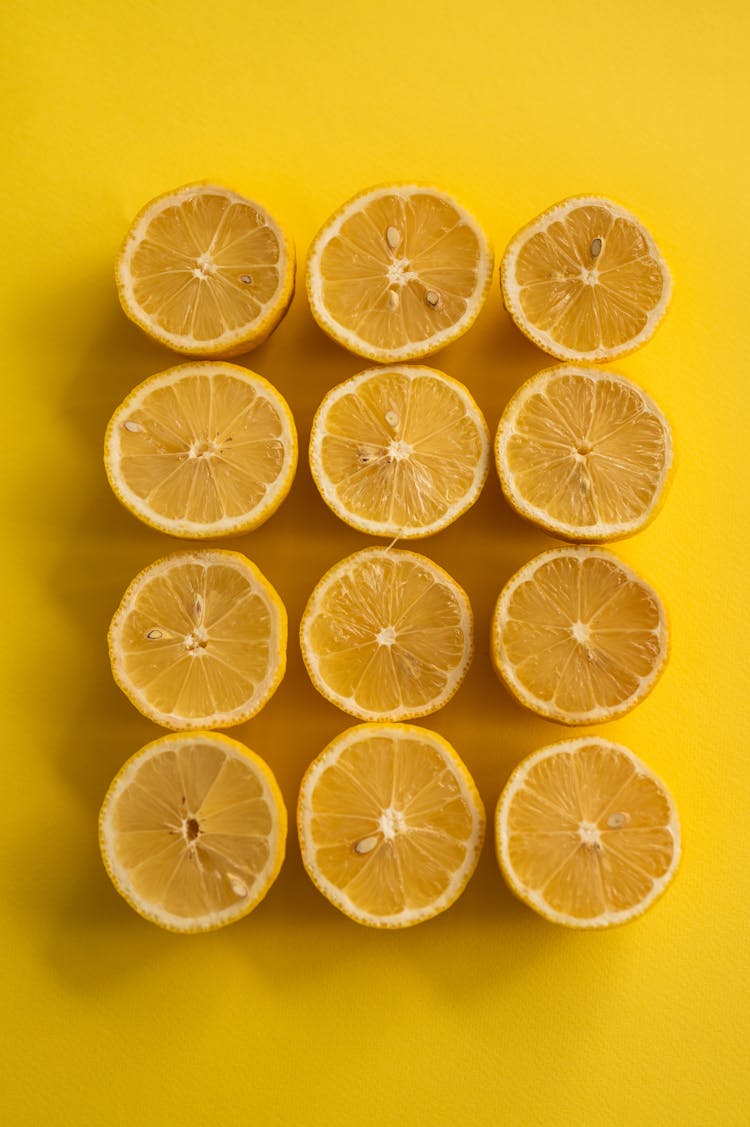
point(393, 237)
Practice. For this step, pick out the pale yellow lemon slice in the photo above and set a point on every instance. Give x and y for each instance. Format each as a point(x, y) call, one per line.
point(585, 280)
point(399, 452)
point(199, 640)
point(205, 271)
point(578, 636)
point(387, 635)
point(192, 831)
point(390, 824)
point(586, 834)
point(398, 272)
point(204, 449)
point(584, 453)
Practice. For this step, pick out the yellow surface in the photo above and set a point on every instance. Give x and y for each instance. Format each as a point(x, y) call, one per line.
point(296, 1016)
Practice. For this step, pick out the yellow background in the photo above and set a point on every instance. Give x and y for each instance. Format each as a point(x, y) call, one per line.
point(296, 1016)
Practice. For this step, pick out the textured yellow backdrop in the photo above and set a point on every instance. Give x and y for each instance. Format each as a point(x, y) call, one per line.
point(296, 1016)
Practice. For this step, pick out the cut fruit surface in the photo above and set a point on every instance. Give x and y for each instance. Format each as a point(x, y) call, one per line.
point(578, 636)
point(204, 449)
point(205, 271)
point(390, 824)
point(387, 635)
point(192, 831)
point(585, 280)
point(199, 640)
point(586, 834)
point(584, 453)
point(398, 272)
point(399, 452)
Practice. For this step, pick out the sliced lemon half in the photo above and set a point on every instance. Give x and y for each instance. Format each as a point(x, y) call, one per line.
point(192, 831)
point(586, 834)
point(201, 450)
point(585, 280)
point(584, 453)
point(399, 452)
point(578, 636)
point(387, 635)
point(390, 824)
point(199, 640)
point(205, 271)
point(398, 272)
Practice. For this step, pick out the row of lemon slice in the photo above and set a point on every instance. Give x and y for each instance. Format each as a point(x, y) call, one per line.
point(391, 826)
point(390, 822)
point(209, 449)
point(200, 637)
point(395, 273)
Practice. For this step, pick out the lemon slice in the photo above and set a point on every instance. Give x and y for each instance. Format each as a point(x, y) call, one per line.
point(205, 271)
point(401, 452)
point(390, 824)
point(199, 640)
point(204, 449)
point(585, 280)
point(398, 272)
point(586, 834)
point(578, 637)
point(192, 831)
point(584, 453)
point(387, 635)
